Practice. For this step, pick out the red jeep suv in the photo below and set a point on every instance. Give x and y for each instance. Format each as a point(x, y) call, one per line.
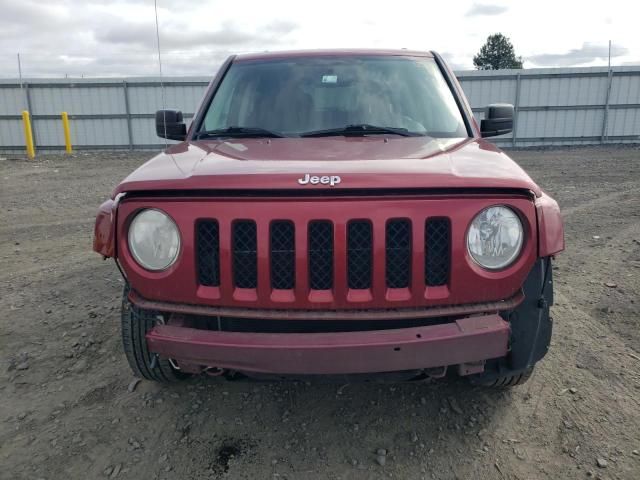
point(333, 213)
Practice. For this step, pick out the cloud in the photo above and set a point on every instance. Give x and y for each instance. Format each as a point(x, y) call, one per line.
point(117, 37)
point(453, 61)
point(114, 38)
point(485, 9)
point(144, 35)
point(30, 12)
point(180, 36)
point(282, 27)
point(586, 54)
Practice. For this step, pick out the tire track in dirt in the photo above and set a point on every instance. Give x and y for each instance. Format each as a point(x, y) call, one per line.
point(600, 200)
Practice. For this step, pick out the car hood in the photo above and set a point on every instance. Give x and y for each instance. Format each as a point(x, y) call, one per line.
point(374, 162)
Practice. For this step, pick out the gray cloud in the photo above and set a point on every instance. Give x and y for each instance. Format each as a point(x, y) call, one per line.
point(144, 35)
point(177, 36)
point(117, 37)
point(79, 37)
point(28, 12)
point(578, 56)
point(281, 27)
point(451, 61)
point(115, 64)
point(481, 9)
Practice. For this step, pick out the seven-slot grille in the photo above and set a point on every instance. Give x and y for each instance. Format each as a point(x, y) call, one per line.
point(320, 251)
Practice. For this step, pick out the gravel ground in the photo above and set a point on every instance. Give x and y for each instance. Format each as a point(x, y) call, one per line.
point(69, 408)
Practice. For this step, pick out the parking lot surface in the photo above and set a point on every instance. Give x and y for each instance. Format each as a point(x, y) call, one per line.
point(69, 409)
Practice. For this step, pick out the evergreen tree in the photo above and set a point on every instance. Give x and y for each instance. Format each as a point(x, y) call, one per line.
point(497, 53)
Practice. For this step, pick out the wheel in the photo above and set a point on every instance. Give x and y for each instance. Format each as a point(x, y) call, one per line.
point(505, 380)
point(136, 322)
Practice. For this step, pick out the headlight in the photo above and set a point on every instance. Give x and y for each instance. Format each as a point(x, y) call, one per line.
point(495, 237)
point(154, 239)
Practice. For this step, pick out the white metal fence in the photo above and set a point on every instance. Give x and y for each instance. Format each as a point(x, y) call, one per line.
point(561, 106)
point(552, 107)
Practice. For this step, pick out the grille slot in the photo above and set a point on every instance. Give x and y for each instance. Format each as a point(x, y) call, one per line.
point(437, 261)
point(208, 253)
point(359, 254)
point(398, 250)
point(245, 258)
point(320, 255)
point(282, 254)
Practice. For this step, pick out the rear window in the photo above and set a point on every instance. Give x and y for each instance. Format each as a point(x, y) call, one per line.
point(295, 96)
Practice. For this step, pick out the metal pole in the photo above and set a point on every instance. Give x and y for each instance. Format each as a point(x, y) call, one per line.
point(33, 123)
point(20, 77)
point(28, 135)
point(516, 107)
point(25, 105)
point(164, 106)
point(125, 91)
point(67, 133)
point(605, 117)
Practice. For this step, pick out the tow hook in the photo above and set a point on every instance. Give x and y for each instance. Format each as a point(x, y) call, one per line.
point(470, 368)
point(214, 371)
point(437, 372)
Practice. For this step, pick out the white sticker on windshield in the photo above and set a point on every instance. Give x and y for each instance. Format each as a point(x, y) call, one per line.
point(329, 79)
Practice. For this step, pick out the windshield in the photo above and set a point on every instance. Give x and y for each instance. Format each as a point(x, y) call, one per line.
point(298, 96)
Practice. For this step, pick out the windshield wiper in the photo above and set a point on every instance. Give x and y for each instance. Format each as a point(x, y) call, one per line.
point(239, 132)
point(360, 129)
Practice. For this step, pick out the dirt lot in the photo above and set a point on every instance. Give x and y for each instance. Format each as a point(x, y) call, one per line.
point(66, 411)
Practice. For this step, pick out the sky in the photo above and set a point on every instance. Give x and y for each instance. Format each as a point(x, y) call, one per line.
point(58, 38)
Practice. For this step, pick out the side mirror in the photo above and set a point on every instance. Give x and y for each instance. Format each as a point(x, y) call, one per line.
point(498, 120)
point(170, 124)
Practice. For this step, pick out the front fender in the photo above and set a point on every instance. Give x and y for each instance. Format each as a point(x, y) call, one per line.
point(104, 231)
point(550, 226)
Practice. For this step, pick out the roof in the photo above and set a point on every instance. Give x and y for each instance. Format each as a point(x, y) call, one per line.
point(333, 53)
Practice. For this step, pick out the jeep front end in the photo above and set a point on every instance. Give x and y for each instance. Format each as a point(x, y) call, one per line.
point(333, 213)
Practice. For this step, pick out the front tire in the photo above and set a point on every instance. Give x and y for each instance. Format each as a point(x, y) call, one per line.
point(135, 323)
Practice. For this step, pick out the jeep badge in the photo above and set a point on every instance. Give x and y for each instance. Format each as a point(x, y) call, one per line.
point(332, 180)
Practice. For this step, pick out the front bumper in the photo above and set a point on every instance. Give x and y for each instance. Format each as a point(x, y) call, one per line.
point(464, 341)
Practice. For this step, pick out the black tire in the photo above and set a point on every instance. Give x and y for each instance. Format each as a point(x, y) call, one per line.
point(506, 381)
point(136, 322)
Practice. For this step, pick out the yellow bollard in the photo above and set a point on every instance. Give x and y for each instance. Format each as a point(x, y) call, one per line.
point(67, 132)
point(28, 135)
